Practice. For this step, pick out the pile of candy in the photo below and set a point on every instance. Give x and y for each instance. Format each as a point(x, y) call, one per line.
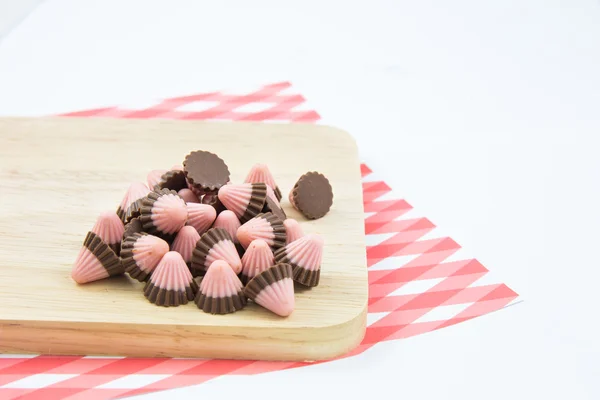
point(192, 235)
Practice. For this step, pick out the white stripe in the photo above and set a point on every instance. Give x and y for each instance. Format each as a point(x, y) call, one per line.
point(376, 238)
point(38, 381)
point(255, 107)
point(368, 214)
point(196, 106)
point(393, 262)
point(374, 317)
point(134, 381)
point(372, 177)
point(416, 286)
point(18, 355)
point(443, 313)
point(387, 196)
point(410, 214)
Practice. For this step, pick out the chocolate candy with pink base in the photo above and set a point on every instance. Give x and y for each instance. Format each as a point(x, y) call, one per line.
point(216, 244)
point(200, 216)
point(312, 195)
point(163, 213)
point(246, 200)
point(96, 260)
point(273, 289)
point(185, 243)
point(264, 226)
point(171, 284)
point(141, 254)
point(172, 180)
point(257, 258)
point(261, 173)
point(221, 291)
point(205, 171)
point(109, 228)
point(293, 230)
point(304, 255)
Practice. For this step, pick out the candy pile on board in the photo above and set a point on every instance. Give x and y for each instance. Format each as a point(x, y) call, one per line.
point(191, 235)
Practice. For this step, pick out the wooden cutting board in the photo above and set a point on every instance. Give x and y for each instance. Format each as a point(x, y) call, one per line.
point(58, 174)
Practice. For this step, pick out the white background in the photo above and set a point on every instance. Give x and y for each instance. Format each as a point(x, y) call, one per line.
point(483, 115)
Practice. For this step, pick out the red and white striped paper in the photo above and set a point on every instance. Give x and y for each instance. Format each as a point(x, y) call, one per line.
point(418, 281)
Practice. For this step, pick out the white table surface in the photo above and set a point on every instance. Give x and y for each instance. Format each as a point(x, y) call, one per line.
point(489, 112)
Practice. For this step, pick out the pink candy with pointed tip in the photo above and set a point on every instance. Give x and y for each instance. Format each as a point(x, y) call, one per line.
point(109, 227)
point(88, 268)
point(169, 213)
point(201, 216)
point(136, 191)
point(225, 250)
point(236, 197)
point(220, 281)
point(227, 220)
point(185, 242)
point(148, 251)
point(154, 177)
point(278, 297)
point(293, 230)
point(257, 258)
point(188, 196)
point(172, 273)
point(261, 173)
point(271, 194)
point(306, 252)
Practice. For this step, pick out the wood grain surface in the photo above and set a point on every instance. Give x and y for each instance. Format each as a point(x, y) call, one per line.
point(58, 174)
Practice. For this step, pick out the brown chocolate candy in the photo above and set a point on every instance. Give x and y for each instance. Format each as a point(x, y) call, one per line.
point(173, 180)
point(205, 170)
point(312, 195)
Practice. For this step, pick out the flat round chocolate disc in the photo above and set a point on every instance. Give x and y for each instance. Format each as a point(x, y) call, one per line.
point(205, 171)
point(313, 195)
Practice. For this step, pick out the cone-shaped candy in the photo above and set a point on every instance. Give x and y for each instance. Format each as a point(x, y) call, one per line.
point(304, 255)
point(293, 230)
point(154, 177)
point(188, 196)
point(257, 258)
point(141, 254)
point(163, 213)
point(96, 260)
point(273, 289)
point(216, 244)
point(245, 200)
point(201, 216)
point(110, 229)
point(261, 173)
point(264, 226)
point(221, 291)
point(227, 220)
point(185, 243)
point(136, 193)
point(171, 283)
